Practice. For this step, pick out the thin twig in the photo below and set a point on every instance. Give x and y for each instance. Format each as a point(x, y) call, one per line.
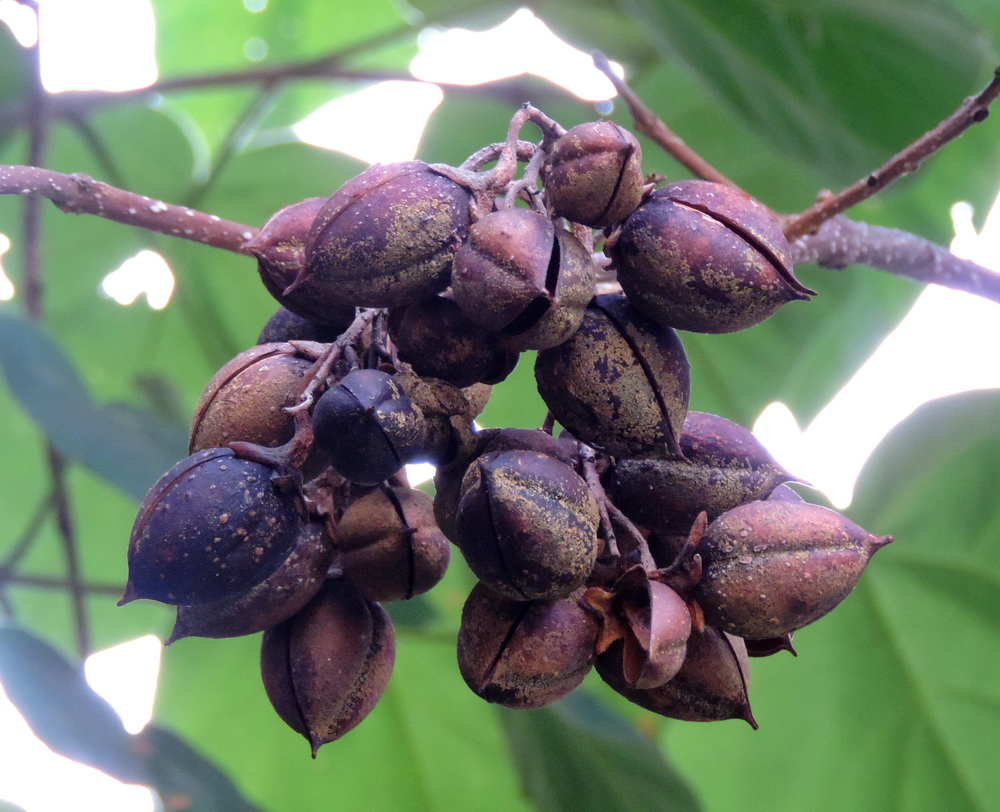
point(971, 111)
point(650, 125)
point(27, 538)
point(329, 66)
point(81, 194)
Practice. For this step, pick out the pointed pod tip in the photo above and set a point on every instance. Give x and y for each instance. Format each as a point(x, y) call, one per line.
point(876, 543)
point(130, 594)
point(747, 717)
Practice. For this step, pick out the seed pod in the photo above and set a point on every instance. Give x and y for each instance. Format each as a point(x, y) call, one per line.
point(438, 341)
point(446, 417)
point(724, 466)
point(520, 276)
point(527, 525)
point(705, 257)
point(280, 248)
point(368, 426)
point(594, 174)
point(773, 567)
point(326, 667)
point(245, 399)
point(711, 685)
point(621, 383)
point(285, 325)
point(524, 654)
point(770, 645)
point(657, 624)
point(275, 599)
point(390, 547)
point(211, 528)
point(385, 238)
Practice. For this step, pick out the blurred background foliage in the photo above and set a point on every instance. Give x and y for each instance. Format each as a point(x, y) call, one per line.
point(893, 701)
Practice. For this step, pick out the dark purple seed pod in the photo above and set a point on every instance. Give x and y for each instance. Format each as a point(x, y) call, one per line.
point(368, 426)
point(594, 174)
point(390, 546)
point(519, 276)
point(211, 528)
point(385, 238)
point(705, 257)
point(525, 654)
point(326, 667)
point(438, 341)
point(621, 383)
point(724, 465)
point(527, 525)
point(710, 686)
point(773, 567)
point(771, 645)
point(275, 599)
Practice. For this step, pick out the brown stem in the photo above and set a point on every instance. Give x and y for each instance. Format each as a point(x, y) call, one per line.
point(841, 242)
point(67, 533)
point(588, 462)
point(81, 194)
point(650, 125)
point(41, 582)
point(329, 66)
point(971, 111)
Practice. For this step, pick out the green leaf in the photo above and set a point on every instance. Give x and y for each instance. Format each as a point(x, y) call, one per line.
point(129, 447)
point(429, 744)
point(185, 779)
point(899, 680)
point(62, 709)
point(772, 60)
point(577, 755)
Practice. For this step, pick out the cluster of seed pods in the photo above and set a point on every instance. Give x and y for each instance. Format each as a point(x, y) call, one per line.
point(660, 546)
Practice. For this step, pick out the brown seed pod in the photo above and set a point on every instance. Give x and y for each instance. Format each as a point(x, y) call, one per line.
point(246, 397)
point(594, 174)
point(527, 525)
point(524, 654)
point(390, 546)
point(724, 465)
point(706, 257)
point(211, 528)
point(285, 325)
point(438, 341)
point(280, 248)
point(326, 667)
point(621, 383)
point(656, 624)
point(273, 600)
point(710, 686)
point(519, 276)
point(385, 238)
point(773, 567)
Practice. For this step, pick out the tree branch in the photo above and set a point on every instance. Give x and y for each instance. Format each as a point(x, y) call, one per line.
point(649, 125)
point(840, 242)
point(81, 194)
point(971, 111)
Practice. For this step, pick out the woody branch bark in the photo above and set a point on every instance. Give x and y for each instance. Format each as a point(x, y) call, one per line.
point(81, 194)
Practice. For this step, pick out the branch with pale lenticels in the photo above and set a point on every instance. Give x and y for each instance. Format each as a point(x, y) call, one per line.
point(841, 242)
